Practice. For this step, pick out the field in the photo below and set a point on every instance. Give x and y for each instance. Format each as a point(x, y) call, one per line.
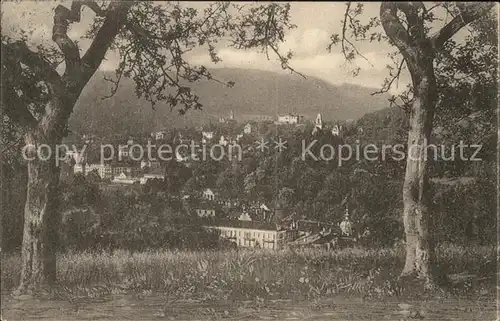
point(223, 284)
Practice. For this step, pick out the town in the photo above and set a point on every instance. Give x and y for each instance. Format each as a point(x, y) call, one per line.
point(184, 160)
point(242, 221)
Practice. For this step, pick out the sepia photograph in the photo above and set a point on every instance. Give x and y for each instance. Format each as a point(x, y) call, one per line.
point(288, 160)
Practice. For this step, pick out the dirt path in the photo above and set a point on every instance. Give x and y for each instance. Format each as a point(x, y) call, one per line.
point(157, 308)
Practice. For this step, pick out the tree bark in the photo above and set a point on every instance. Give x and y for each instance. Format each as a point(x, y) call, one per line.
point(41, 215)
point(416, 199)
point(41, 218)
point(418, 52)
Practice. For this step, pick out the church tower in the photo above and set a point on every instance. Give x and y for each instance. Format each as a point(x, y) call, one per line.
point(318, 123)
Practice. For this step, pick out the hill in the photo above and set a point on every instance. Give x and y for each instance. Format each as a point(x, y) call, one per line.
point(255, 92)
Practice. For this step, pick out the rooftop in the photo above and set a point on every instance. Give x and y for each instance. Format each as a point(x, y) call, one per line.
point(244, 224)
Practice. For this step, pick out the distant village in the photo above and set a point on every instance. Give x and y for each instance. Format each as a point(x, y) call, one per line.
point(242, 223)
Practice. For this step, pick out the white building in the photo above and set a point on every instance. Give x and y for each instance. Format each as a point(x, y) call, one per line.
point(79, 168)
point(209, 194)
point(123, 151)
point(208, 135)
point(223, 141)
point(254, 234)
point(124, 179)
point(247, 129)
point(290, 119)
point(204, 212)
point(160, 135)
point(144, 179)
point(104, 170)
point(336, 130)
point(318, 123)
point(245, 217)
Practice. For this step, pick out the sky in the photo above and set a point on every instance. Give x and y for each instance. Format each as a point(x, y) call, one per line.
point(316, 22)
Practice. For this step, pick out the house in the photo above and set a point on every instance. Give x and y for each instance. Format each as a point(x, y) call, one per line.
point(104, 170)
point(127, 170)
point(124, 179)
point(205, 212)
point(88, 138)
point(209, 194)
point(336, 130)
point(160, 135)
point(206, 136)
point(144, 179)
point(245, 216)
point(123, 151)
point(254, 234)
point(79, 168)
point(289, 119)
point(231, 118)
point(223, 141)
point(247, 129)
point(318, 123)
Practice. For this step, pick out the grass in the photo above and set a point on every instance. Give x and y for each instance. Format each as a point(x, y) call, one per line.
point(259, 274)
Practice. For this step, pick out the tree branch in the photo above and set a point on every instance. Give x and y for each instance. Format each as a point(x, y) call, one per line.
point(19, 51)
point(469, 11)
point(393, 27)
point(15, 108)
point(388, 84)
point(115, 18)
point(62, 18)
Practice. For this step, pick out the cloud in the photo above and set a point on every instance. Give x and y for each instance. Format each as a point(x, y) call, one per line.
point(315, 21)
point(330, 67)
point(306, 42)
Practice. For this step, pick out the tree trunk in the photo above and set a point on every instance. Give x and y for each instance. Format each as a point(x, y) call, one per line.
point(416, 198)
point(41, 216)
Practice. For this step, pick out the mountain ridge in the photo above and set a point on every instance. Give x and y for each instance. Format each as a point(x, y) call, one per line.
point(255, 92)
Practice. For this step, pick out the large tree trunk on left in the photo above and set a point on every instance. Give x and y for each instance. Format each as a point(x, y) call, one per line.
point(41, 216)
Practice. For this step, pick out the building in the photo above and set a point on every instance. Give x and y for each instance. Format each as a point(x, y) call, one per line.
point(318, 123)
point(223, 141)
point(336, 130)
point(257, 118)
point(206, 136)
point(254, 234)
point(104, 170)
point(144, 179)
point(88, 138)
point(205, 212)
point(290, 119)
point(123, 151)
point(245, 216)
point(127, 170)
point(247, 129)
point(124, 179)
point(230, 119)
point(159, 135)
point(79, 168)
point(209, 195)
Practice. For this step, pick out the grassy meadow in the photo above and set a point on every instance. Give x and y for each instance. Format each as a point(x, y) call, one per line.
point(258, 274)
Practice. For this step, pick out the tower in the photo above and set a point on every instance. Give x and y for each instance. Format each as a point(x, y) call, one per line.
point(318, 123)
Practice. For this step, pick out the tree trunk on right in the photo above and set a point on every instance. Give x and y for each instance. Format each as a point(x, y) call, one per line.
point(417, 218)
